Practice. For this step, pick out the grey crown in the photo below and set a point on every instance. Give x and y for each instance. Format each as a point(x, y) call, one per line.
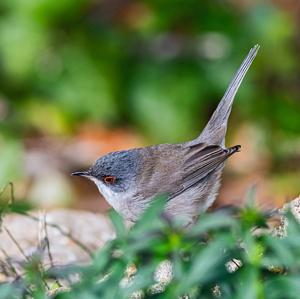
point(123, 165)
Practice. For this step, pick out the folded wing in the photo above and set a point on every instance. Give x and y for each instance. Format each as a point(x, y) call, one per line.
point(201, 160)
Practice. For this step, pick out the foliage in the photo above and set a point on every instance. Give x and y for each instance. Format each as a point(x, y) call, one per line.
point(154, 64)
point(270, 265)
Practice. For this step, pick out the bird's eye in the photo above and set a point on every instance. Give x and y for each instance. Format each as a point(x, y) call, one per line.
point(109, 179)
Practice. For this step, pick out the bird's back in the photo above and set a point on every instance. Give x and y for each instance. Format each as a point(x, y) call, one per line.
point(187, 174)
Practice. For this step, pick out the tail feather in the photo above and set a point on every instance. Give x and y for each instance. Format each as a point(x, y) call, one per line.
point(233, 149)
point(215, 130)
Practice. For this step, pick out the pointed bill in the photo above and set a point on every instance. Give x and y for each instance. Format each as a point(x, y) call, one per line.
point(81, 173)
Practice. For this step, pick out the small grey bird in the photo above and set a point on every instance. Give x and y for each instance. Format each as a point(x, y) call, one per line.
point(188, 173)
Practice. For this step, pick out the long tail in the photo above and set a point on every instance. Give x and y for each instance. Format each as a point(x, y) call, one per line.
point(215, 130)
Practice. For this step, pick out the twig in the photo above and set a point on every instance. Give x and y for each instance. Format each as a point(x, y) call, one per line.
point(9, 263)
point(12, 192)
point(11, 267)
point(8, 203)
point(40, 253)
point(64, 233)
point(25, 256)
point(23, 253)
point(46, 238)
point(16, 243)
point(3, 268)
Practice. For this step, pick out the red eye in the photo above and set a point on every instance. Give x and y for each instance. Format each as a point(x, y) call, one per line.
point(109, 179)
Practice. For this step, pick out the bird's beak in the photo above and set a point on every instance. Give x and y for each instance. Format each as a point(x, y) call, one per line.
point(81, 173)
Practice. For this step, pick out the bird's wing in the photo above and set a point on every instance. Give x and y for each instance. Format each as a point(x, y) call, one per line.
point(201, 159)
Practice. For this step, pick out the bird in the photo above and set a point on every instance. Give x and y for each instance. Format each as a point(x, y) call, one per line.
point(188, 174)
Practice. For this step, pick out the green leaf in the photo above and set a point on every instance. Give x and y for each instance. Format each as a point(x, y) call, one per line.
point(118, 223)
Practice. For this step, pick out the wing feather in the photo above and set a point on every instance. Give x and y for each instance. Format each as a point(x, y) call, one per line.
point(201, 160)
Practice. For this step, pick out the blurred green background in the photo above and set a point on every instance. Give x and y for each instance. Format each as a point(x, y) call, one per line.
point(79, 78)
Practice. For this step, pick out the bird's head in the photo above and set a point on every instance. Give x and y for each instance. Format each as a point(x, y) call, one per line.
point(114, 174)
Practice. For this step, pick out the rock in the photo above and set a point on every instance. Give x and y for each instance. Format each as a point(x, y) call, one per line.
point(72, 236)
point(163, 276)
point(294, 206)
